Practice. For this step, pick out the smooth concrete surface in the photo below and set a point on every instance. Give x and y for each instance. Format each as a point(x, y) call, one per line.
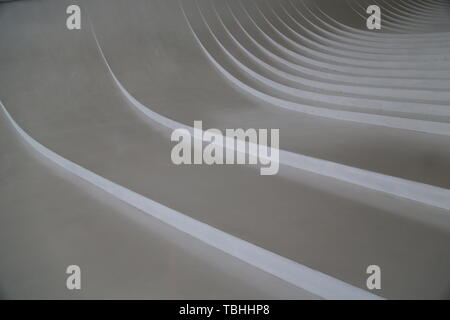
point(281, 267)
point(56, 86)
point(218, 105)
point(122, 253)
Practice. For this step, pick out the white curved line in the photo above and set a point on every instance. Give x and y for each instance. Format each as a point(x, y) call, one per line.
point(335, 75)
point(420, 192)
point(378, 120)
point(329, 45)
point(297, 274)
point(320, 60)
point(324, 83)
point(336, 55)
point(339, 101)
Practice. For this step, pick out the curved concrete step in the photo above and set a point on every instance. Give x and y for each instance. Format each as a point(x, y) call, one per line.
point(305, 219)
